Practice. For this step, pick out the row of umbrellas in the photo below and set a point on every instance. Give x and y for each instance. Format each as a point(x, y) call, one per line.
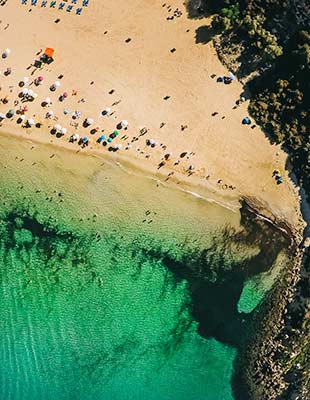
point(59, 129)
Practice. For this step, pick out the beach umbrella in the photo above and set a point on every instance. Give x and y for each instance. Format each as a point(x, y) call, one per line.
point(57, 84)
point(85, 139)
point(25, 92)
point(30, 92)
point(65, 95)
point(109, 140)
point(76, 136)
point(2, 116)
point(25, 80)
point(124, 123)
point(118, 147)
point(40, 78)
point(49, 114)
point(150, 141)
point(63, 131)
point(115, 133)
point(35, 95)
point(22, 117)
point(106, 111)
point(246, 121)
point(47, 101)
point(89, 121)
point(57, 127)
point(10, 113)
point(231, 76)
point(24, 109)
point(7, 51)
point(100, 139)
point(30, 122)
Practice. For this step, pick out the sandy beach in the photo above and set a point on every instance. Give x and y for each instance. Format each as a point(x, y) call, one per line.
point(150, 71)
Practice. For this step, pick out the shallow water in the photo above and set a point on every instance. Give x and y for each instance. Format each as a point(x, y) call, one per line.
point(116, 287)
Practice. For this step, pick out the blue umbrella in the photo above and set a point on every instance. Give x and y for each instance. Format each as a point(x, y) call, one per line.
point(100, 139)
point(246, 121)
point(85, 139)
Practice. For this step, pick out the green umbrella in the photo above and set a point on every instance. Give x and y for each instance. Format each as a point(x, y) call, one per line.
point(11, 112)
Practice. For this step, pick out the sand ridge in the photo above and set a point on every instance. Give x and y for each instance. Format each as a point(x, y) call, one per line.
point(133, 78)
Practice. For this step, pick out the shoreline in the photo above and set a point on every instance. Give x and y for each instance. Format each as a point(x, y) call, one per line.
point(202, 190)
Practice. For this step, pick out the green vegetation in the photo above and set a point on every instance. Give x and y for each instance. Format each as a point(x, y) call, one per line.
point(274, 39)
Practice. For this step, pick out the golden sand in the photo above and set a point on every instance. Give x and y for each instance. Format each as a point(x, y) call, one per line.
point(93, 54)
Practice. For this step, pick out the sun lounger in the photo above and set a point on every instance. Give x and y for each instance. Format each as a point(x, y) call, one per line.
point(61, 6)
point(44, 3)
point(78, 11)
point(69, 8)
point(53, 4)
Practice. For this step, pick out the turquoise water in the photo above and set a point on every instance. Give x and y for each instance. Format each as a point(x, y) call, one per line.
point(115, 288)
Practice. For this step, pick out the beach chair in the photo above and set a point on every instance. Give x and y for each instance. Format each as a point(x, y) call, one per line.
point(24, 1)
point(61, 6)
point(69, 8)
point(78, 11)
point(44, 3)
point(53, 4)
point(33, 2)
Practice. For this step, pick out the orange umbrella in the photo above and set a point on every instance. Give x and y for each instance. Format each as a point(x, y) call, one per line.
point(49, 52)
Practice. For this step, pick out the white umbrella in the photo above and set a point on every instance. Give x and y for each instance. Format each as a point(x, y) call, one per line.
point(106, 111)
point(30, 92)
point(7, 51)
point(57, 127)
point(2, 116)
point(23, 117)
point(124, 123)
point(63, 131)
point(47, 100)
point(25, 80)
point(49, 114)
point(35, 95)
point(30, 122)
point(57, 83)
point(89, 121)
point(76, 136)
point(24, 92)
